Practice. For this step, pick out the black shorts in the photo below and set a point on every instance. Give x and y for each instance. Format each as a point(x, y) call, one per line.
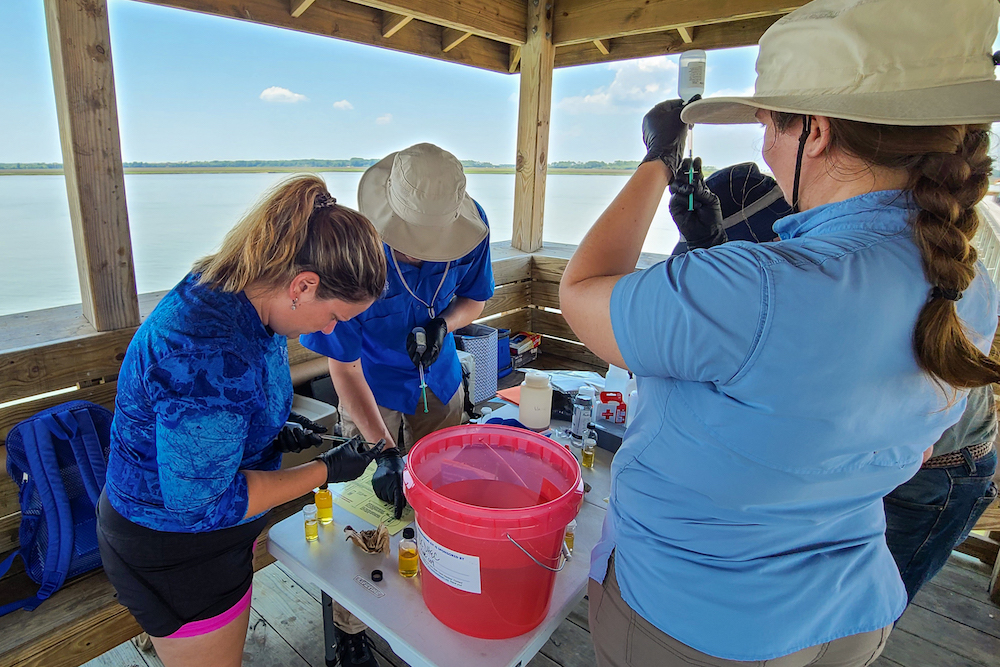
point(170, 579)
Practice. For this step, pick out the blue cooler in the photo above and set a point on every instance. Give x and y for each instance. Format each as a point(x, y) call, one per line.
point(504, 366)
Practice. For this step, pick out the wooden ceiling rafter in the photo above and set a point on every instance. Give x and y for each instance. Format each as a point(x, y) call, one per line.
point(355, 23)
point(298, 7)
point(393, 23)
point(583, 21)
point(488, 34)
point(499, 20)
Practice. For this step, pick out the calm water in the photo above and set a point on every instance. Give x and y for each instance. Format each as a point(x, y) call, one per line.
point(176, 218)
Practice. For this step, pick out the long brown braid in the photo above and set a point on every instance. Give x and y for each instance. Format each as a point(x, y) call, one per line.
point(949, 169)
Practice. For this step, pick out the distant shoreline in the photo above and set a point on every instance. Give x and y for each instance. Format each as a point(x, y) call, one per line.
point(294, 170)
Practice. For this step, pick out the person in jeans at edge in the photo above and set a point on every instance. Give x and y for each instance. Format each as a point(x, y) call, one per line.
point(437, 246)
point(786, 388)
point(932, 513)
point(199, 429)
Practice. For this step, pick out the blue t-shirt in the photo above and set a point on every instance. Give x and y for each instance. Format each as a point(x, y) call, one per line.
point(779, 401)
point(378, 335)
point(202, 393)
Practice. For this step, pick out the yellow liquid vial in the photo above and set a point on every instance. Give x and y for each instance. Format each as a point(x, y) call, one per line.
point(588, 459)
point(312, 530)
point(570, 539)
point(324, 506)
point(409, 562)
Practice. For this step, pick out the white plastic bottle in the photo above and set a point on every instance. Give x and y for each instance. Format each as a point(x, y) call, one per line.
point(616, 379)
point(691, 77)
point(535, 408)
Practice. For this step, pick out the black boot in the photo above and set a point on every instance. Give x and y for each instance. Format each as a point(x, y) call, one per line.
point(354, 650)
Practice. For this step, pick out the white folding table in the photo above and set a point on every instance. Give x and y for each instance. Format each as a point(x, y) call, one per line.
point(394, 607)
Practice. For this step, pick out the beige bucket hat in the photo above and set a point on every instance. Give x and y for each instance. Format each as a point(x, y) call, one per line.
point(416, 199)
point(892, 62)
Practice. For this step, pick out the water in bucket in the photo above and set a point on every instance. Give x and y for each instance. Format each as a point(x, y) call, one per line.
point(492, 505)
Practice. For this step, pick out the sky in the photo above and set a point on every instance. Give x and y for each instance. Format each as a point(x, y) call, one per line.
point(195, 87)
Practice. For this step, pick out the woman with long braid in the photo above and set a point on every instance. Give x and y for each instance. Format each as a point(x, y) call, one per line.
point(787, 387)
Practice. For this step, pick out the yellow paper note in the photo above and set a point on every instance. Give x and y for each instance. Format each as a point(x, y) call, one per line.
point(358, 497)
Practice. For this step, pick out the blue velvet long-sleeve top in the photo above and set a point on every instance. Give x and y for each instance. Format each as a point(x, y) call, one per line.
point(203, 390)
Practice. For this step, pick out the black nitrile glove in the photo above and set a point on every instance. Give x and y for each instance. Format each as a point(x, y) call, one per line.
point(298, 433)
point(665, 134)
point(435, 333)
point(702, 227)
point(388, 480)
point(347, 461)
point(436, 330)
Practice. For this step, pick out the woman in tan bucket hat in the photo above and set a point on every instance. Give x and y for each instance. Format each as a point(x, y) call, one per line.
point(437, 247)
point(786, 387)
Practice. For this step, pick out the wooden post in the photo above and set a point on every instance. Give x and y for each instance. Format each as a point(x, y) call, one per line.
point(80, 47)
point(534, 109)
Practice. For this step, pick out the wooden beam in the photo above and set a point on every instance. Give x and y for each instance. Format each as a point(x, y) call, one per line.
point(355, 23)
point(80, 50)
point(687, 34)
point(450, 38)
point(499, 20)
point(534, 110)
point(393, 23)
point(515, 58)
point(603, 45)
point(583, 21)
point(299, 6)
point(716, 36)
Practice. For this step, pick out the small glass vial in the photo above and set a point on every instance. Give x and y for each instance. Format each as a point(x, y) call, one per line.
point(312, 523)
point(589, 445)
point(570, 536)
point(324, 504)
point(409, 560)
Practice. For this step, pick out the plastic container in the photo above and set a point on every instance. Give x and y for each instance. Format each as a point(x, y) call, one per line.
point(492, 505)
point(535, 406)
point(583, 411)
point(616, 379)
point(691, 74)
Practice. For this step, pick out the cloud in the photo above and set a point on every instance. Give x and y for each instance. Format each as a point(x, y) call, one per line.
point(638, 84)
point(276, 94)
point(732, 92)
point(384, 119)
point(343, 105)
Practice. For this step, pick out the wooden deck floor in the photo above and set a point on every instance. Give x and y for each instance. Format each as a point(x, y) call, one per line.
point(950, 624)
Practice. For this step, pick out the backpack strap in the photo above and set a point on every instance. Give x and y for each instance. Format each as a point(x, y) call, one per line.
point(48, 480)
point(77, 427)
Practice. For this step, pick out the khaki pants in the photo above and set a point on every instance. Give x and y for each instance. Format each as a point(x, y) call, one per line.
point(439, 415)
point(624, 638)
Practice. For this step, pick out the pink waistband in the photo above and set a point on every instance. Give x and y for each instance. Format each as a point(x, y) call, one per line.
point(203, 627)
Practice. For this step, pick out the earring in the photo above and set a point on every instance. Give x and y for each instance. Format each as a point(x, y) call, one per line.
point(295, 303)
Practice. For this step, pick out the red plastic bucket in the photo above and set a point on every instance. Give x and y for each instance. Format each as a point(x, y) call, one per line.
point(492, 504)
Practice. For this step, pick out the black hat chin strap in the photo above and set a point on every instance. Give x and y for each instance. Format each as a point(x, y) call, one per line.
point(806, 129)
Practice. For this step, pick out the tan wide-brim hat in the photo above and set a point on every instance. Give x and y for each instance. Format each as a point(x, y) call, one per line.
point(416, 199)
point(891, 62)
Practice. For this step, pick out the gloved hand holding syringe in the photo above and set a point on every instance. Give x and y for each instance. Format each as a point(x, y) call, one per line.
point(691, 83)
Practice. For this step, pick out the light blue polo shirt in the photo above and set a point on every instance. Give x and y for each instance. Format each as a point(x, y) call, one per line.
point(378, 335)
point(779, 401)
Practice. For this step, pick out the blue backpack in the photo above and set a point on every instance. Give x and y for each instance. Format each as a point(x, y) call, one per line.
point(58, 460)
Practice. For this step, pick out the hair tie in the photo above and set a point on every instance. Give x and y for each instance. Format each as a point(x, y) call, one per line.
point(942, 293)
point(323, 200)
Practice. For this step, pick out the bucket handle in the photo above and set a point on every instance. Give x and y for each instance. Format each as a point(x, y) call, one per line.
point(550, 569)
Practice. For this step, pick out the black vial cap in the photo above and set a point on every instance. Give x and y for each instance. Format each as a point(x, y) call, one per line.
point(376, 575)
point(407, 533)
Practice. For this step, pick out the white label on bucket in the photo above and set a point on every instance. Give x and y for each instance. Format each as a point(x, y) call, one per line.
point(459, 571)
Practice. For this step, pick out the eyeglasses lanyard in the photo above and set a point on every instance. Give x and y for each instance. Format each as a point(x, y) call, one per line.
point(430, 308)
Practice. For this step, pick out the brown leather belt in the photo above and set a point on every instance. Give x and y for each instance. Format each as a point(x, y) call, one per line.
point(956, 459)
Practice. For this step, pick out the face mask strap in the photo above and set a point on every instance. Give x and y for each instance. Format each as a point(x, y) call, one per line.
point(806, 129)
